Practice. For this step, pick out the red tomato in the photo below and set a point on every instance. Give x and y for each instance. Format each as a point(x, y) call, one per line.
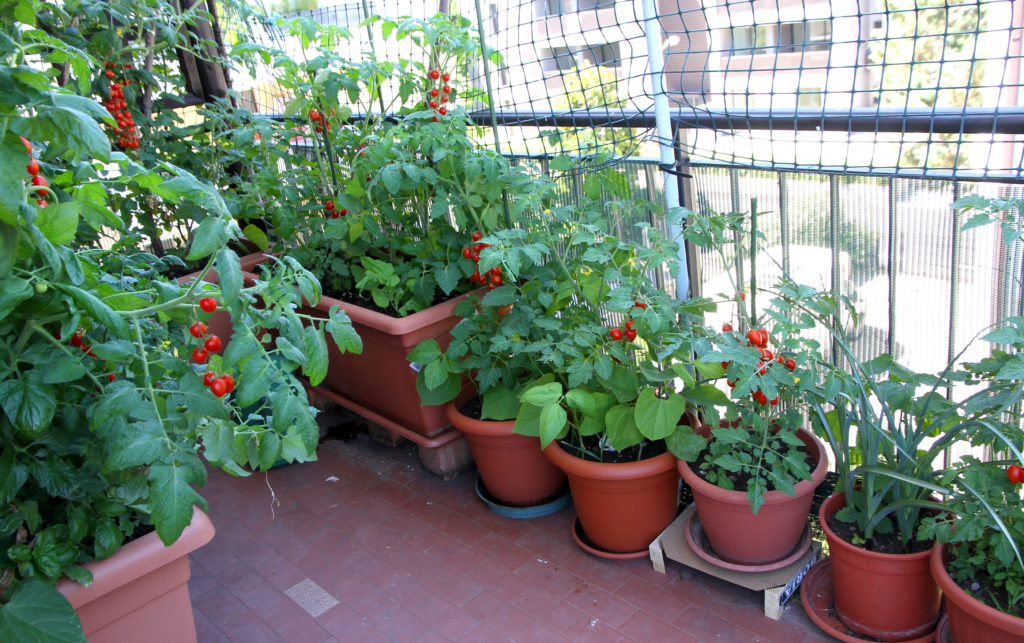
point(1015, 474)
point(446, 77)
point(208, 378)
point(791, 364)
point(40, 181)
point(218, 387)
point(197, 329)
point(616, 333)
point(229, 382)
point(435, 74)
point(630, 334)
point(212, 344)
point(33, 167)
point(199, 356)
point(208, 304)
point(726, 327)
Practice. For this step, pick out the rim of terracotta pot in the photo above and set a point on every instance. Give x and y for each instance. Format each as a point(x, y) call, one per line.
point(397, 325)
point(472, 425)
point(136, 559)
point(573, 465)
point(732, 496)
point(835, 540)
point(937, 561)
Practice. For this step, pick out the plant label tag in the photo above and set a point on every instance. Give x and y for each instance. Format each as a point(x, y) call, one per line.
point(416, 366)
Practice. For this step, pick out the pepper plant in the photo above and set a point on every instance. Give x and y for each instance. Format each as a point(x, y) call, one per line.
point(112, 390)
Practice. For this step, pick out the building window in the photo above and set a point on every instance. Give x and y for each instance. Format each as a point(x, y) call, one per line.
point(603, 55)
point(806, 35)
point(557, 7)
point(557, 59)
point(809, 97)
point(595, 4)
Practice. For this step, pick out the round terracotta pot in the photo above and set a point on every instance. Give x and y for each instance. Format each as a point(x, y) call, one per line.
point(779, 524)
point(512, 466)
point(622, 507)
point(891, 597)
point(970, 620)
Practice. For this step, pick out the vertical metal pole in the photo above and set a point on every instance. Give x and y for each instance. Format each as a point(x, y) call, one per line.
point(687, 201)
point(490, 103)
point(891, 267)
point(784, 221)
point(666, 141)
point(954, 274)
point(833, 233)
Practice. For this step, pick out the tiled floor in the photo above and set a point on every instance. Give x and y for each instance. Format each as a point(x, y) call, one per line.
point(381, 550)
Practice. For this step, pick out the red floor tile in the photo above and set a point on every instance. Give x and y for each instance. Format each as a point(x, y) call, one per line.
point(413, 558)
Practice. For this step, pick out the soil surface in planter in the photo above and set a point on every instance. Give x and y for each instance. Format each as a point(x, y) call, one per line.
point(357, 298)
point(592, 446)
point(879, 543)
point(473, 408)
point(740, 479)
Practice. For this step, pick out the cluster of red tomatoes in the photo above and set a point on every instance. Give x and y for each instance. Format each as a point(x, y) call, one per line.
point(492, 278)
point(219, 386)
point(127, 133)
point(629, 333)
point(758, 338)
point(77, 340)
point(39, 184)
point(320, 122)
point(439, 95)
point(332, 212)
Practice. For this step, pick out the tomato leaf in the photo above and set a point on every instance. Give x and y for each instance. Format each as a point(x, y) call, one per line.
point(209, 236)
point(172, 497)
point(28, 404)
point(99, 311)
point(229, 275)
point(38, 612)
point(144, 444)
point(59, 222)
point(340, 328)
point(316, 355)
point(13, 291)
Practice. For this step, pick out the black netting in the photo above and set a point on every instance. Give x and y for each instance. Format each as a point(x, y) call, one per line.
point(894, 87)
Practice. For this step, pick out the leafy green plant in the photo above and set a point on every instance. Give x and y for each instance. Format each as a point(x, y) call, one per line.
point(112, 390)
point(408, 165)
point(764, 355)
point(588, 349)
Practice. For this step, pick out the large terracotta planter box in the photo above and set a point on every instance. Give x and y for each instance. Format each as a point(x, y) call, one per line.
point(778, 585)
point(141, 592)
point(380, 378)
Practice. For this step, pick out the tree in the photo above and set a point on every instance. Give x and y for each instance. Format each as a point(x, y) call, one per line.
point(591, 87)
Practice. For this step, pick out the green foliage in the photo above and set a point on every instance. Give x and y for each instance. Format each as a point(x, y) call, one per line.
point(105, 421)
point(596, 88)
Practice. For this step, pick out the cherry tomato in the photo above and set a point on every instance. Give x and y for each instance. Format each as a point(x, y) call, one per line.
point(208, 378)
point(775, 402)
point(28, 144)
point(791, 364)
point(434, 92)
point(447, 89)
point(33, 167)
point(1015, 474)
point(111, 377)
point(477, 235)
point(218, 387)
point(314, 115)
point(442, 111)
point(435, 74)
point(76, 339)
point(329, 205)
point(743, 296)
point(212, 344)
point(335, 214)
point(754, 338)
point(629, 324)
point(760, 397)
point(199, 355)
point(229, 382)
point(496, 280)
point(446, 77)
point(433, 104)
point(639, 304)
point(108, 74)
point(197, 329)
point(630, 334)
point(208, 304)
point(726, 327)
point(616, 333)
point(467, 253)
point(725, 365)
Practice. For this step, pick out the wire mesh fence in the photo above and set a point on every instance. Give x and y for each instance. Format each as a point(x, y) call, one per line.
point(884, 87)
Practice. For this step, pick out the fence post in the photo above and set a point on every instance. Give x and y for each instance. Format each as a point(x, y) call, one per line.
point(666, 140)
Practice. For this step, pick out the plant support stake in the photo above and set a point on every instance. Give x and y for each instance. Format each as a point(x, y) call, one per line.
point(490, 103)
point(663, 123)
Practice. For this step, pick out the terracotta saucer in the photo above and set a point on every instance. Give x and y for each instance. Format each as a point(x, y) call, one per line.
point(699, 543)
point(589, 547)
point(561, 499)
point(816, 595)
point(944, 633)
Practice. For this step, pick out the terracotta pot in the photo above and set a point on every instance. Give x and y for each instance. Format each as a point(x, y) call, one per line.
point(970, 620)
point(141, 592)
point(779, 524)
point(622, 507)
point(380, 378)
point(891, 597)
point(512, 466)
